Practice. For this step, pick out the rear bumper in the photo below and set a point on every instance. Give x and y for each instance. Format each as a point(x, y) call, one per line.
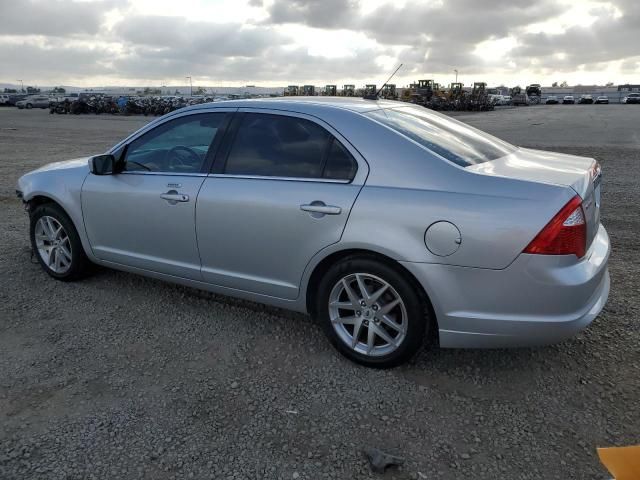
point(537, 300)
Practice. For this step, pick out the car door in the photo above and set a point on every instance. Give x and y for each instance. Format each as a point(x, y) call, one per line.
point(144, 216)
point(282, 187)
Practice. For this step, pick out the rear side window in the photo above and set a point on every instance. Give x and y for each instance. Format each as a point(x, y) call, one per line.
point(282, 146)
point(340, 165)
point(455, 141)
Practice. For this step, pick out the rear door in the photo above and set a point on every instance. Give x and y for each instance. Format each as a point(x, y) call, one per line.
point(282, 188)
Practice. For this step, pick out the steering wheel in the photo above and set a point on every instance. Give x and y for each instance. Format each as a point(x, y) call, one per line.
point(173, 159)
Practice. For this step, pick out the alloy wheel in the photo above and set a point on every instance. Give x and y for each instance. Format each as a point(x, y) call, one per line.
point(53, 244)
point(368, 314)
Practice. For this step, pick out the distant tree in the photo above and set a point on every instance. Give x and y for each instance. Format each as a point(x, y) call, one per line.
point(10, 90)
point(200, 91)
point(32, 90)
point(564, 84)
point(554, 84)
point(609, 84)
point(59, 90)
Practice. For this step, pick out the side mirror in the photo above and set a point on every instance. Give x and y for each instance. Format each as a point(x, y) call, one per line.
point(103, 165)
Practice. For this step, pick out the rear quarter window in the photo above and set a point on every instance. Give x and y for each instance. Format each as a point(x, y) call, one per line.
point(453, 140)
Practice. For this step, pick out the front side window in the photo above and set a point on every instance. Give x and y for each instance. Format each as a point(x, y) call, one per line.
point(177, 146)
point(282, 146)
point(455, 141)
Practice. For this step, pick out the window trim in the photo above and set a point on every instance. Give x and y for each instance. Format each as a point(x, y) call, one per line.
point(286, 179)
point(222, 154)
point(214, 146)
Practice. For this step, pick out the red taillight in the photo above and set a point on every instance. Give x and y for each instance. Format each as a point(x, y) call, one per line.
point(565, 234)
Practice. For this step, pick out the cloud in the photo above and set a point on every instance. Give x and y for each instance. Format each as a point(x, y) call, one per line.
point(277, 64)
point(323, 41)
point(315, 13)
point(188, 38)
point(58, 60)
point(54, 17)
point(609, 38)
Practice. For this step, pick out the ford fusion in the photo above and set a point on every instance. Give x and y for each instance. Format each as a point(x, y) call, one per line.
point(389, 223)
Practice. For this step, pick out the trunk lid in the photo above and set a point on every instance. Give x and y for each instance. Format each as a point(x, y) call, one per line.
point(582, 174)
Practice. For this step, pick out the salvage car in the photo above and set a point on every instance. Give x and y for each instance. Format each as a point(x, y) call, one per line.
point(568, 99)
point(34, 101)
point(602, 99)
point(552, 100)
point(388, 223)
point(586, 99)
point(632, 98)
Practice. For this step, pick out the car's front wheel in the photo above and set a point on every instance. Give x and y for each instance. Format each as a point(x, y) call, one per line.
point(29, 106)
point(372, 312)
point(56, 243)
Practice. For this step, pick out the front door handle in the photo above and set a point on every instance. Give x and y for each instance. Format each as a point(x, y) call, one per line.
point(173, 197)
point(320, 208)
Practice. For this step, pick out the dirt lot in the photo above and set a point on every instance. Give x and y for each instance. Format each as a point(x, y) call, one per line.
point(120, 376)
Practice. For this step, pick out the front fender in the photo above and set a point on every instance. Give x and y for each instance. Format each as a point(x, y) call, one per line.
point(63, 187)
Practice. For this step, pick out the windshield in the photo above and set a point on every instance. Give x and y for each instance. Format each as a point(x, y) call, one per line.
point(455, 141)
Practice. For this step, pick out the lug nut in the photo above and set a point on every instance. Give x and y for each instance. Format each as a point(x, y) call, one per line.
point(375, 307)
point(362, 303)
point(358, 313)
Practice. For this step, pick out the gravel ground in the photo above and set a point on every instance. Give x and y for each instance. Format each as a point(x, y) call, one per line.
point(119, 376)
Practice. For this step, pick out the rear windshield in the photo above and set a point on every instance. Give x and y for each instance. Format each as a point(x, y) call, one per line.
point(449, 138)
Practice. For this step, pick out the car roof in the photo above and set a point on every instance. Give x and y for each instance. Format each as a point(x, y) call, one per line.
point(301, 104)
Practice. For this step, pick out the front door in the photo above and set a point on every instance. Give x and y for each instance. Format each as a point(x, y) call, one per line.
point(282, 193)
point(144, 216)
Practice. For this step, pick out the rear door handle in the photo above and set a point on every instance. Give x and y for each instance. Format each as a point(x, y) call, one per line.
point(321, 208)
point(174, 197)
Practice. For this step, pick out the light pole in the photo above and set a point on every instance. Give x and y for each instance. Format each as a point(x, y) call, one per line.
point(22, 87)
point(456, 74)
point(190, 86)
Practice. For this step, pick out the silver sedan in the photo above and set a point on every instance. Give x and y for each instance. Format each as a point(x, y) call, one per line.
point(387, 222)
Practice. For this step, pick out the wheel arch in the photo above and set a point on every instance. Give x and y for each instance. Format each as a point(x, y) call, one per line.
point(38, 198)
point(323, 265)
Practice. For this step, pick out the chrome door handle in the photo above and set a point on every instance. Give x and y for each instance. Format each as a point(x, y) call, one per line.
point(321, 208)
point(174, 197)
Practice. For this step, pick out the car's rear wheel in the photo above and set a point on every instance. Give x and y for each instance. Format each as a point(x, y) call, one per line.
point(56, 243)
point(372, 312)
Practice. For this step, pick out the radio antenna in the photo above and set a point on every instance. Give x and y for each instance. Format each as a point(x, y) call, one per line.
point(376, 94)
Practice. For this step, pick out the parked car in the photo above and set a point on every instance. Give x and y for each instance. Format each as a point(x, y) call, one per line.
point(632, 98)
point(552, 100)
point(586, 99)
point(386, 222)
point(4, 99)
point(568, 99)
point(16, 97)
point(501, 99)
point(34, 101)
point(602, 99)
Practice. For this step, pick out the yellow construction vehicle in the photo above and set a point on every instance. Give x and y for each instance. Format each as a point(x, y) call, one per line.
point(348, 90)
point(330, 90)
point(291, 91)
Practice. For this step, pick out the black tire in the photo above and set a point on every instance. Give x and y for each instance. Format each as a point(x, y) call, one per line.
point(80, 264)
point(29, 106)
point(416, 306)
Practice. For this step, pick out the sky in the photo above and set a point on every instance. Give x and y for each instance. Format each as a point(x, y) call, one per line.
point(282, 42)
